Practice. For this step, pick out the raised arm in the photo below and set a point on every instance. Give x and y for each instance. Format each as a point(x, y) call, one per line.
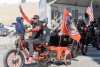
point(24, 15)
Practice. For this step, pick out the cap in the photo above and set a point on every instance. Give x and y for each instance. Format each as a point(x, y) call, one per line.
point(35, 17)
point(19, 18)
point(45, 20)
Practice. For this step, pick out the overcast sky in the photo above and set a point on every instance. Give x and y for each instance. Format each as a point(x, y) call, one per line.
point(16, 1)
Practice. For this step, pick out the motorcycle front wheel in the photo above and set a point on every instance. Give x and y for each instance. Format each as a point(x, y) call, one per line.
point(13, 59)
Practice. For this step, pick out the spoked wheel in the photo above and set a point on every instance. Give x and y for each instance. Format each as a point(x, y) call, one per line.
point(84, 49)
point(13, 59)
point(67, 59)
point(74, 50)
point(43, 62)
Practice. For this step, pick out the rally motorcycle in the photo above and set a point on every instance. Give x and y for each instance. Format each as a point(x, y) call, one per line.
point(43, 54)
point(16, 57)
point(84, 41)
point(83, 44)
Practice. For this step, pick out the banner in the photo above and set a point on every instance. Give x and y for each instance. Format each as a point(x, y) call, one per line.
point(69, 28)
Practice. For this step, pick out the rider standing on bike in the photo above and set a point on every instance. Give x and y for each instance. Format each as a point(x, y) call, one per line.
point(37, 32)
point(20, 30)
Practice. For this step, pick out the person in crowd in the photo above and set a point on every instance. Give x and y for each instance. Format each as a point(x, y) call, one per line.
point(69, 18)
point(46, 31)
point(92, 34)
point(37, 32)
point(20, 30)
point(91, 28)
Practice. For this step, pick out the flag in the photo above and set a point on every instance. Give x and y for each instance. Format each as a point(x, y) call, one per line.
point(69, 28)
point(89, 11)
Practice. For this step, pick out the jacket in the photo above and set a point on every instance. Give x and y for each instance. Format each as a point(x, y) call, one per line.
point(19, 26)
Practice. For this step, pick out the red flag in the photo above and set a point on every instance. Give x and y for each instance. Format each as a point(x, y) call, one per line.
point(69, 28)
